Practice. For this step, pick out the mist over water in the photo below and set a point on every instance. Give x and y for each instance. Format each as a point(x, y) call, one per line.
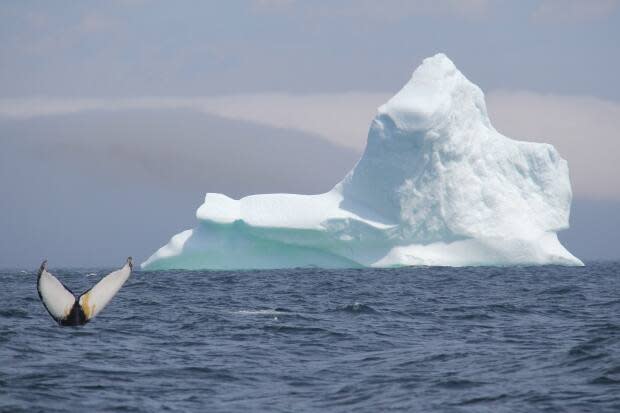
point(410, 339)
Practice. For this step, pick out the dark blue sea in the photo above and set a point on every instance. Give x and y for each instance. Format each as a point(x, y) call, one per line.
point(520, 339)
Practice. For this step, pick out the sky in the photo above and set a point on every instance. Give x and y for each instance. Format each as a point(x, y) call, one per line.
point(117, 117)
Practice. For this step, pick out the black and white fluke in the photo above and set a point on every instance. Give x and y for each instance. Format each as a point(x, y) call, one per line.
point(69, 310)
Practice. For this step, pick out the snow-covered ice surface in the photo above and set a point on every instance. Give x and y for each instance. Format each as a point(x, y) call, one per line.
point(436, 185)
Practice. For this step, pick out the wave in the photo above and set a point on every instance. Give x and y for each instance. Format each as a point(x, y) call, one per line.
point(357, 308)
point(267, 311)
point(13, 313)
point(303, 331)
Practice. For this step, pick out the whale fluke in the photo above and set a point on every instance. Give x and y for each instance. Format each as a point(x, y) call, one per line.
point(69, 310)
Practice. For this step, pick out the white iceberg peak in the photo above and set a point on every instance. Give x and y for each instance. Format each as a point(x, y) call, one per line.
point(436, 93)
point(436, 185)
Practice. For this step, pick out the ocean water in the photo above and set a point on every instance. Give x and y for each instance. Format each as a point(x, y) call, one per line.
point(519, 339)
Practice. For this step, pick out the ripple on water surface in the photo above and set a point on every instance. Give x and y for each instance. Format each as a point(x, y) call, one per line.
point(409, 339)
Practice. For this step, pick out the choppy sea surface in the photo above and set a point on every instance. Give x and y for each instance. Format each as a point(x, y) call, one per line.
point(518, 339)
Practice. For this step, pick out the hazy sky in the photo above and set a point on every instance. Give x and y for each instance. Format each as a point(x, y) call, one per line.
point(116, 117)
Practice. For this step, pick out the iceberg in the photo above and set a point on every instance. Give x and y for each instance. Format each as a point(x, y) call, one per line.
point(436, 185)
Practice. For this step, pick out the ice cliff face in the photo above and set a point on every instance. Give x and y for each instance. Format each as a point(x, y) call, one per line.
point(437, 185)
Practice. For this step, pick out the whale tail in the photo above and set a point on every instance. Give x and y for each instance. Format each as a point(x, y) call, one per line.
point(70, 310)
